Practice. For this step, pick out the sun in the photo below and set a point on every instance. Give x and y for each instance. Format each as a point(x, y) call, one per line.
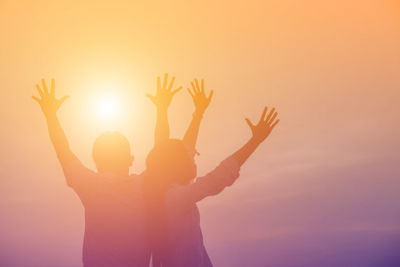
point(106, 106)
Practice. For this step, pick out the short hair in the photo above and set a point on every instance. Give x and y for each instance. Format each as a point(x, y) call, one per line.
point(109, 148)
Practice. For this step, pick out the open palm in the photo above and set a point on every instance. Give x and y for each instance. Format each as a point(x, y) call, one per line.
point(48, 101)
point(164, 93)
point(264, 125)
point(200, 100)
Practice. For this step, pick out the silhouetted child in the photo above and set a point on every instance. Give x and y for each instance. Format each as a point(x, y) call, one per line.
point(155, 179)
point(171, 195)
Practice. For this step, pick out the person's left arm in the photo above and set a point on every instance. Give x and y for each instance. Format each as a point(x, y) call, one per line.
point(228, 171)
point(162, 101)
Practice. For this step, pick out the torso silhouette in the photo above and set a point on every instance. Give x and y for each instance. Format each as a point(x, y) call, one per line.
point(183, 217)
point(114, 217)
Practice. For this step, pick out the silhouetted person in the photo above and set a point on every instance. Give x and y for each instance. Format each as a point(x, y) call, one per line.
point(155, 225)
point(114, 214)
point(171, 194)
point(115, 232)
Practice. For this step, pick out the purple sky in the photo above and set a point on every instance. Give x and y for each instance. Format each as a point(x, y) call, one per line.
point(324, 190)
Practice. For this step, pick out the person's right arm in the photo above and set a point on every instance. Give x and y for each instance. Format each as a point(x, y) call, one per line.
point(49, 104)
point(228, 171)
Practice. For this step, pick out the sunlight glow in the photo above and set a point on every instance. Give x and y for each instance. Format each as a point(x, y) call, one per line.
point(110, 105)
point(106, 106)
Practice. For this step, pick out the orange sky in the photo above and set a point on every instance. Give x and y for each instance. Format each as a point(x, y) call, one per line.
point(331, 68)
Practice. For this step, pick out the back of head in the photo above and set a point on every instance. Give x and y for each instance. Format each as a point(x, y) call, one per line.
point(172, 162)
point(111, 153)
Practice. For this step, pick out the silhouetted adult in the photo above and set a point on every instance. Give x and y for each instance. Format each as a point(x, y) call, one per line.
point(114, 213)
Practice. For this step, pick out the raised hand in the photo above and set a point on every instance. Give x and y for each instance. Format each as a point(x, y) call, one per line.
point(48, 101)
point(164, 93)
point(200, 100)
point(264, 126)
point(50, 104)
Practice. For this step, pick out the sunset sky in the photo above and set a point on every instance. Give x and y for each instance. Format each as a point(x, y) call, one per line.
point(323, 190)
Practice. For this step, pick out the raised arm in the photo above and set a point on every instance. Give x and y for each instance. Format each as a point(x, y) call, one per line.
point(201, 102)
point(50, 105)
point(162, 100)
point(260, 132)
point(228, 171)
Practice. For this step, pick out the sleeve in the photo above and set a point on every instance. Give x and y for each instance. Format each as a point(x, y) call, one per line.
point(211, 184)
point(78, 177)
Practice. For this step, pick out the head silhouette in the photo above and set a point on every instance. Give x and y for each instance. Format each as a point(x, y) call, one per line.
point(172, 162)
point(111, 153)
